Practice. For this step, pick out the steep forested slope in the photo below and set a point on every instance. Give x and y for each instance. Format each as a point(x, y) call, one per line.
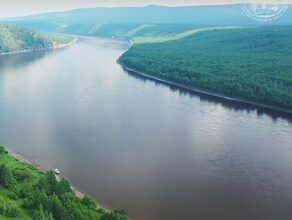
point(251, 63)
point(15, 38)
point(28, 193)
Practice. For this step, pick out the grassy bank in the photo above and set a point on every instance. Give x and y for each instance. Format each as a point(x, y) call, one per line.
point(28, 193)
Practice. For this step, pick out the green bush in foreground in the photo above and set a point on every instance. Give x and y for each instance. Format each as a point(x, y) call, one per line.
point(32, 194)
point(8, 209)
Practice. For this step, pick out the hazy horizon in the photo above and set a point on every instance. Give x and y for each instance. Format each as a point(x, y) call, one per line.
point(15, 8)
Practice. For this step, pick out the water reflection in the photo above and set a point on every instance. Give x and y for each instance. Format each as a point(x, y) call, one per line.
point(22, 59)
point(158, 151)
point(229, 104)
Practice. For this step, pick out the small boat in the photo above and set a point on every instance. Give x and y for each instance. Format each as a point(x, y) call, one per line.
point(57, 171)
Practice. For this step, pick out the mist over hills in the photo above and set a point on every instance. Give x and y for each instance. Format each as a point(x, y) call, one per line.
point(90, 21)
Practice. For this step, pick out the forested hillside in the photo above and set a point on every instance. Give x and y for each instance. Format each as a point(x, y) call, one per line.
point(28, 193)
point(250, 63)
point(15, 38)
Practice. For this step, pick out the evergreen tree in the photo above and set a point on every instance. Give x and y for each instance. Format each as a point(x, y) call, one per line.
point(6, 178)
point(2, 149)
point(52, 182)
point(63, 187)
point(88, 201)
point(57, 207)
point(39, 213)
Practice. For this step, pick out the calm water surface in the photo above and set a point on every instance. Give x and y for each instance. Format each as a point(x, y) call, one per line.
point(157, 151)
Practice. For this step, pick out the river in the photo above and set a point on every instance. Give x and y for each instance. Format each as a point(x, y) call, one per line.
point(156, 150)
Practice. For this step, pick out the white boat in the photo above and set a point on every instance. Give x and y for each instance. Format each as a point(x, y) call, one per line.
point(57, 171)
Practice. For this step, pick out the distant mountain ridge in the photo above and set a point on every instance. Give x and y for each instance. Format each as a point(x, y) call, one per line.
point(211, 15)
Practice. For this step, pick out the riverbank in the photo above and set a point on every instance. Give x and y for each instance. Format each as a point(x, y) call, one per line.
point(22, 159)
point(42, 49)
point(28, 193)
point(259, 106)
point(40, 168)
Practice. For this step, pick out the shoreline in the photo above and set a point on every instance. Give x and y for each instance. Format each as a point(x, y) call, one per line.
point(208, 94)
point(41, 49)
point(39, 167)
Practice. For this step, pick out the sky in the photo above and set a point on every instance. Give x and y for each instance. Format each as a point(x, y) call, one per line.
point(13, 8)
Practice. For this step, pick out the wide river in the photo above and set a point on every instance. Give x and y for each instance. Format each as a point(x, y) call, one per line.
point(156, 150)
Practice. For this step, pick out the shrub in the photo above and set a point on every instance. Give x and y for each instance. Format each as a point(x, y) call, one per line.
point(7, 209)
point(26, 203)
point(21, 174)
point(12, 195)
point(12, 211)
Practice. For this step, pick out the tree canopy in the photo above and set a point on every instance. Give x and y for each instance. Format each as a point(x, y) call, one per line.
point(250, 63)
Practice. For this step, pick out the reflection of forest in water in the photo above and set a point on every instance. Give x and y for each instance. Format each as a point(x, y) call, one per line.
point(18, 59)
point(232, 105)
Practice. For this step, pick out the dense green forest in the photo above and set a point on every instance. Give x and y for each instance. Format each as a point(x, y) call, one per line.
point(28, 193)
point(250, 63)
point(15, 38)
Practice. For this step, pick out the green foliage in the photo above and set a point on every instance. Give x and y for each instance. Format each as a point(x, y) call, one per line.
point(41, 214)
point(52, 182)
point(21, 174)
point(15, 38)
point(12, 195)
point(63, 187)
point(6, 178)
point(251, 63)
point(2, 149)
point(57, 207)
point(88, 201)
point(8, 209)
point(42, 196)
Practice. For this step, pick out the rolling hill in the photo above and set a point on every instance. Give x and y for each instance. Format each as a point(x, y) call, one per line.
point(122, 21)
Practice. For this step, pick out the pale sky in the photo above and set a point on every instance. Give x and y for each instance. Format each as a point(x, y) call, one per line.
point(12, 8)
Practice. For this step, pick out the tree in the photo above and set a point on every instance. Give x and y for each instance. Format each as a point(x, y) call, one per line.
point(6, 178)
point(57, 207)
point(88, 201)
point(120, 211)
point(42, 183)
point(8, 209)
point(39, 213)
point(63, 187)
point(52, 182)
point(2, 149)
